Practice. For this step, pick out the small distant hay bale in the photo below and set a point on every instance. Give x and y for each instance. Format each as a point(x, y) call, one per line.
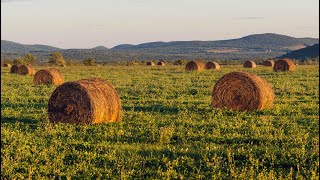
point(63, 65)
point(87, 101)
point(241, 91)
point(48, 76)
point(7, 65)
point(150, 63)
point(14, 69)
point(26, 70)
point(249, 64)
point(160, 63)
point(197, 65)
point(212, 65)
point(284, 65)
point(268, 62)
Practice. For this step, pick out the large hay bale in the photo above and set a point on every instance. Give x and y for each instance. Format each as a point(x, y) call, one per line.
point(242, 92)
point(284, 65)
point(249, 64)
point(26, 70)
point(268, 62)
point(212, 65)
point(48, 76)
point(150, 63)
point(14, 69)
point(160, 63)
point(7, 65)
point(87, 101)
point(197, 65)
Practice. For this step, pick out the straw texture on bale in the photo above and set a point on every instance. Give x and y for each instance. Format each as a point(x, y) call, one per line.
point(48, 76)
point(87, 101)
point(7, 65)
point(212, 65)
point(284, 65)
point(150, 63)
point(14, 69)
point(26, 70)
point(197, 65)
point(268, 63)
point(241, 91)
point(161, 63)
point(249, 64)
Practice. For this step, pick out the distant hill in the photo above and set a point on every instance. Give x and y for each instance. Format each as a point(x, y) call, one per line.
point(256, 42)
point(266, 45)
point(99, 48)
point(12, 47)
point(304, 53)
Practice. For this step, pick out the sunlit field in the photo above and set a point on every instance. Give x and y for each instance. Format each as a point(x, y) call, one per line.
point(168, 129)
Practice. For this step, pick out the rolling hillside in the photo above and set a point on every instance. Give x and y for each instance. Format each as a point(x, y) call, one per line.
point(12, 47)
point(256, 42)
point(301, 54)
point(253, 46)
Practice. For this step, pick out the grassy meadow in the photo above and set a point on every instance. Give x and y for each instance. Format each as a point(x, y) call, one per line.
point(168, 130)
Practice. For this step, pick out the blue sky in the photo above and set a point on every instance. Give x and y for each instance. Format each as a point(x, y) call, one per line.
point(86, 24)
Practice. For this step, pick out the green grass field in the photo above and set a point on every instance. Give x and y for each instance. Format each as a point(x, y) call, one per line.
point(169, 130)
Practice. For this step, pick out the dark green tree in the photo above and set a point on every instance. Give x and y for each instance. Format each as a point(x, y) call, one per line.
point(19, 61)
point(89, 62)
point(69, 63)
point(178, 62)
point(56, 58)
point(29, 59)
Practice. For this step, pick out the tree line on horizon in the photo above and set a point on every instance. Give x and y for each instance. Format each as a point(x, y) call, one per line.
point(57, 59)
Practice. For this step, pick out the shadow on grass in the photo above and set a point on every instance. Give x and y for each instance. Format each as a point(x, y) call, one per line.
point(24, 105)
point(27, 123)
point(153, 108)
point(21, 120)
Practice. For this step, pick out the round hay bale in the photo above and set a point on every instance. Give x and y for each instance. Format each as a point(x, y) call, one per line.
point(161, 63)
point(197, 65)
point(7, 65)
point(87, 101)
point(249, 64)
point(14, 69)
point(150, 63)
point(48, 76)
point(242, 92)
point(268, 62)
point(284, 65)
point(212, 65)
point(26, 70)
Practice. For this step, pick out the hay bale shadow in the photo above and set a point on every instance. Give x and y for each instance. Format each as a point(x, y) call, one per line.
point(13, 120)
point(154, 108)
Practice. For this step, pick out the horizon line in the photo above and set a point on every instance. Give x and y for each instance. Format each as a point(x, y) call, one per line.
point(154, 41)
